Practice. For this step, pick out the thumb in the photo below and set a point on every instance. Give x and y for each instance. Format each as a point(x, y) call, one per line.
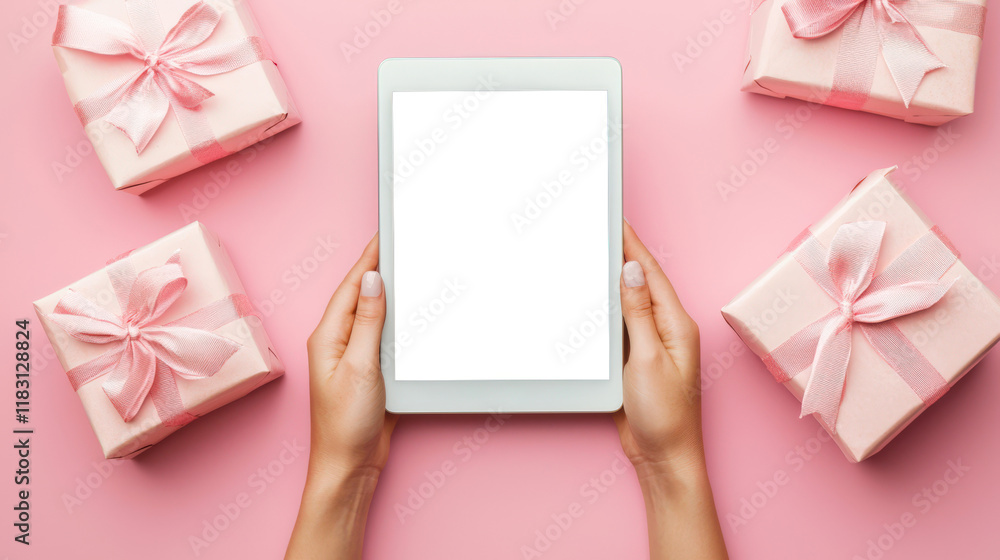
point(637, 309)
point(366, 333)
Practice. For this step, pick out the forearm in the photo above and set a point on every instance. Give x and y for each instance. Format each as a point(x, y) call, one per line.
point(680, 512)
point(332, 517)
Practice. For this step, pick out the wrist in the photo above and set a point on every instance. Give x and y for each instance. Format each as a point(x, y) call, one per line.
point(333, 513)
point(680, 467)
point(670, 491)
point(332, 483)
point(680, 509)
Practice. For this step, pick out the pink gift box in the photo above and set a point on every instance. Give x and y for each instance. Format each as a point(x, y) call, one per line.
point(249, 103)
point(877, 402)
point(780, 65)
point(210, 278)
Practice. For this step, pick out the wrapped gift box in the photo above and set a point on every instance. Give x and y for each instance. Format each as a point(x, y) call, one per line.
point(781, 65)
point(195, 372)
point(776, 313)
point(249, 100)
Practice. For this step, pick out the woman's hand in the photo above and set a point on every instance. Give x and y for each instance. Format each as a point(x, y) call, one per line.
point(660, 420)
point(350, 428)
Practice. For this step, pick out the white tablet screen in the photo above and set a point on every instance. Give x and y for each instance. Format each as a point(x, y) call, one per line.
point(501, 245)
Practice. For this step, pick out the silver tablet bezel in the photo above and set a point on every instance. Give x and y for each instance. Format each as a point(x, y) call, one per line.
point(517, 74)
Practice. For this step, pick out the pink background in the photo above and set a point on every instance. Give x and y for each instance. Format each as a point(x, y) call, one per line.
point(684, 128)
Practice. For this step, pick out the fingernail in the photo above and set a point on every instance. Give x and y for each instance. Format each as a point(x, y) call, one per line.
point(371, 284)
point(626, 220)
point(633, 275)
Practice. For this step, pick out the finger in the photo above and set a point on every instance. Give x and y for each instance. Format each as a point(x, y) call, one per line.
point(637, 309)
point(678, 332)
point(663, 294)
point(329, 341)
point(366, 332)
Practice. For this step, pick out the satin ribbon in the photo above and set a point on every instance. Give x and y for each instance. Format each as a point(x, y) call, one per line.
point(137, 103)
point(846, 272)
point(888, 27)
point(144, 355)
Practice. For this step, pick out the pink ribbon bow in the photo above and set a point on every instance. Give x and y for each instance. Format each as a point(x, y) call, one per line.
point(137, 103)
point(886, 26)
point(846, 272)
point(144, 355)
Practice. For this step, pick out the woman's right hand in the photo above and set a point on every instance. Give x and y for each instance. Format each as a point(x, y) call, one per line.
point(660, 420)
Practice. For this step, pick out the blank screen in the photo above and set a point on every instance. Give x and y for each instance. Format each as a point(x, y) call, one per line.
point(501, 245)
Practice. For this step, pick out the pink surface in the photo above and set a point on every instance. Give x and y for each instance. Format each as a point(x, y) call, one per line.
point(295, 213)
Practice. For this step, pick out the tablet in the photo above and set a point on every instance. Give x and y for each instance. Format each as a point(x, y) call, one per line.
point(500, 247)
